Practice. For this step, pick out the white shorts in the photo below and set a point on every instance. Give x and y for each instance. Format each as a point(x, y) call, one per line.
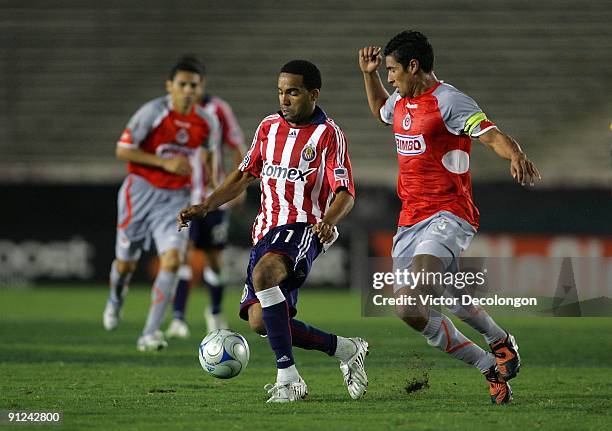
point(443, 235)
point(147, 213)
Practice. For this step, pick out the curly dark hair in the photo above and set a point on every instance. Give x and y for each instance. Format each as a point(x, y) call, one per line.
point(309, 72)
point(408, 45)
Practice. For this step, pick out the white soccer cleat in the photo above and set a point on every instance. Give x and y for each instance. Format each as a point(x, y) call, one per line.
point(177, 329)
point(286, 392)
point(111, 315)
point(151, 342)
point(353, 370)
point(214, 321)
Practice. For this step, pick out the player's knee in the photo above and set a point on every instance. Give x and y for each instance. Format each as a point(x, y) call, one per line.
point(256, 320)
point(413, 316)
point(427, 263)
point(269, 272)
point(125, 267)
point(402, 311)
point(170, 261)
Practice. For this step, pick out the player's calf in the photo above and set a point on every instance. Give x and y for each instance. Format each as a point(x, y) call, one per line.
point(414, 316)
point(256, 321)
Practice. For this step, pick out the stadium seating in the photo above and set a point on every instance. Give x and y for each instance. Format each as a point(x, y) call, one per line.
point(76, 72)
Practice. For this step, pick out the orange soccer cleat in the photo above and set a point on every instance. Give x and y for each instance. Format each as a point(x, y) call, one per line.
point(507, 357)
point(499, 390)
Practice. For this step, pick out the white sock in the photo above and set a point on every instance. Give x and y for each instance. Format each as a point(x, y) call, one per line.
point(161, 294)
point(345, 349)
point(118, 284)
point(480, 320)
point(287, 375)
point(442, 333)
point(268, 298)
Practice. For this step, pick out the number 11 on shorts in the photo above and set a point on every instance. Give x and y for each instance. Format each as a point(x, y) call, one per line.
point(289, 235)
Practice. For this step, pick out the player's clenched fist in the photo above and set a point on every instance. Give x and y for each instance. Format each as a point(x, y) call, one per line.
point(190, 213)
point(324, 231)
point(177, 165)
point(369, 58)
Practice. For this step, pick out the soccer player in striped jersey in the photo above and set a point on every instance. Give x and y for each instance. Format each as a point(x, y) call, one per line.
point(162, 143)
point(301, 157)
point(434, 123)
point(209, 234)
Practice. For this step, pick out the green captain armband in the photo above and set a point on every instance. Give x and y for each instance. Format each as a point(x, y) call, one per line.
point(473, 121)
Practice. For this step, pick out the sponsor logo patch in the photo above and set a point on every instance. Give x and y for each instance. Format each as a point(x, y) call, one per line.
point(173, 150)
point(410, 145)
point(340, 174)
point(283, 173)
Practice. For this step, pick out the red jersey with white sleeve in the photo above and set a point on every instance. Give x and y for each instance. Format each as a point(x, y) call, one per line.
point(433, 133)
point(231, 137)
point(157, 129)
point(301, 167)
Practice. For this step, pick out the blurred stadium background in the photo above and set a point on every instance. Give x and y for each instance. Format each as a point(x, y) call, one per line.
point(73, 72)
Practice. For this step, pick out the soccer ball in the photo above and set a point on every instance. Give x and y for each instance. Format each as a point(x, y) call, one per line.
point(224, 353)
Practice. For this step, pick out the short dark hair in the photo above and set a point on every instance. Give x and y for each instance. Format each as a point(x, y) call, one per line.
point(187, 63)
point(310, 73)
point(409, 45)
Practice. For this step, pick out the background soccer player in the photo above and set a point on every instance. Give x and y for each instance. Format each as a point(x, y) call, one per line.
point(307, 188)
point(162, 142)
point(210, 233)
point(433, 123)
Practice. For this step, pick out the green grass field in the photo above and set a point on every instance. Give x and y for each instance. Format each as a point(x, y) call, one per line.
point(55, 356)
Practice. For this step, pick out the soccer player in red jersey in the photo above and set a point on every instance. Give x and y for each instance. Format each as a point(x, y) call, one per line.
point(162, 143)
point(434, 124)
point(209, 234)
point(301, 157)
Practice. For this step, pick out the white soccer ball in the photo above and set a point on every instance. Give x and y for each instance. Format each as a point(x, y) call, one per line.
point(224, 353)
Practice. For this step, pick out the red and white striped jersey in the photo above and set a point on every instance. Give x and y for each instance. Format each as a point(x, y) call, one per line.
point(231, 136)
point(301, 167)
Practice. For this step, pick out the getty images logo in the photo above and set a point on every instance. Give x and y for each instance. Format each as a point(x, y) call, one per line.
point(282, 173)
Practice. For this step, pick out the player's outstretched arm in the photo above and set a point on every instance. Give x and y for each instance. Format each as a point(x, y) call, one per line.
point(521, 168)
point(234, 184)
point(339, 208)
point(369, 60)
point(175, 165)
